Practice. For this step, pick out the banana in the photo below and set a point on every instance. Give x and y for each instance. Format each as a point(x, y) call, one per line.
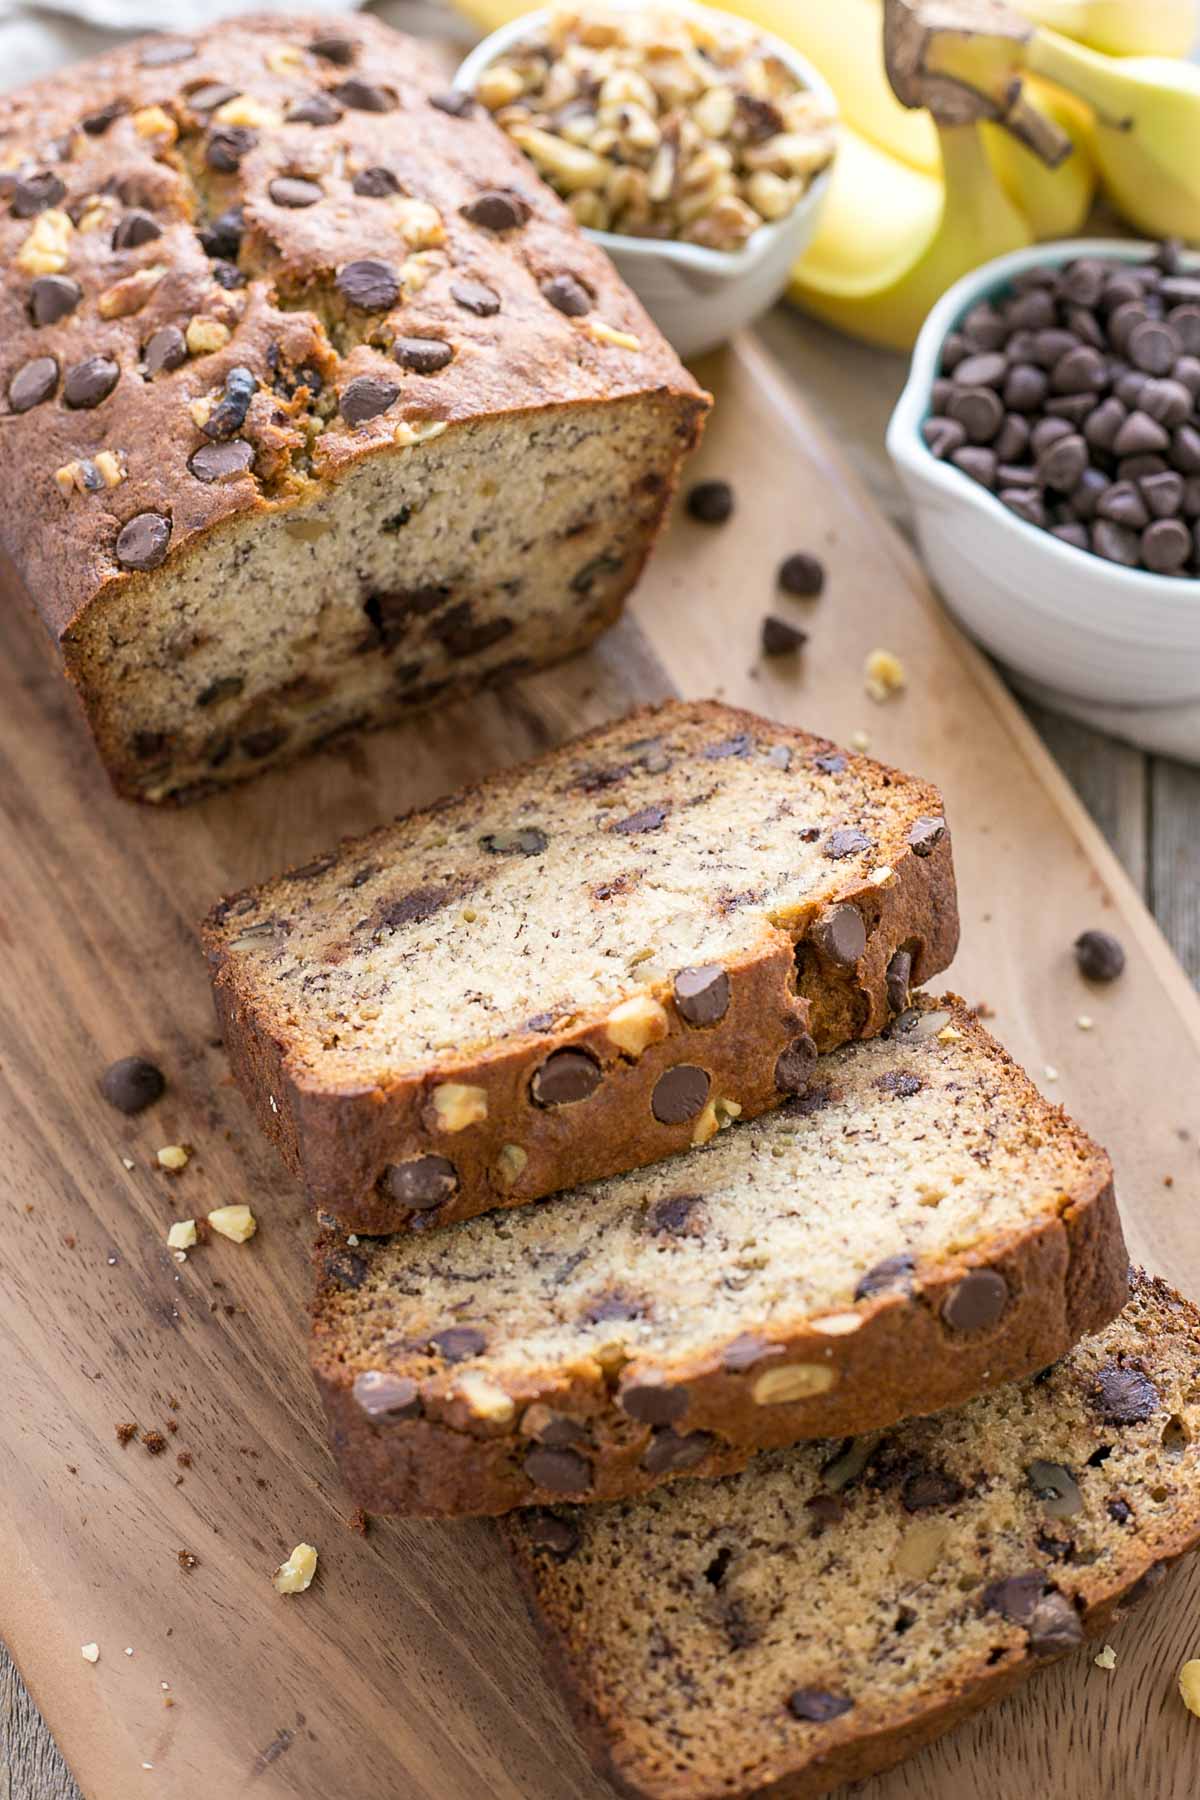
point(891, 239)
point(1120, 27)
point(1055, 201)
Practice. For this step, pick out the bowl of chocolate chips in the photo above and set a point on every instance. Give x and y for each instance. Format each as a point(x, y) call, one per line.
point(1049, 440)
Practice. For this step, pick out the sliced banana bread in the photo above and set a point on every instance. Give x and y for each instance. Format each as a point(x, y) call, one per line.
point(920, 1225)
point(581, 965)
point(836, 1607)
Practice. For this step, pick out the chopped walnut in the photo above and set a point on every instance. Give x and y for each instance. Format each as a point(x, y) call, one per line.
point(884, 675)
point(608, 334)
point(89, 475)
point(46, 249)
point(296, 1574)
point(236, 1222)
point(204, 335)
point(244, 109)
point(152, 121)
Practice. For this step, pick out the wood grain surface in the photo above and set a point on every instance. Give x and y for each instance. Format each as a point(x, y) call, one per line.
point(408, 1670)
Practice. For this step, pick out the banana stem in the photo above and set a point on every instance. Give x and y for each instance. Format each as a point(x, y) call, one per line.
point(1082, 72)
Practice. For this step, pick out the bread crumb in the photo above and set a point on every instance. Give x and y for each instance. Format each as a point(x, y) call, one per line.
point(358, 1521)
point(236, 1222)
point(90, 1652)
point(296, 1574)
point(883, 675)
point(1085, 1022)
point(1107, 1658)
point(187, 1560)
point(174, 1157)
point(155, 1442)
point(126, 1434)
point(127, 1162)
point(182, 1234)
point(1189, 1686)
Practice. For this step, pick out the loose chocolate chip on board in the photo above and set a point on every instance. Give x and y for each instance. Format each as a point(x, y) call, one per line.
point(363, 96)
point(476, 297)
point(546, 1531)
point(421, 1183)
point(53, 297)
point(840, 934)
point(458, 1343)
point(679, 1094)
point(794, 1066)
point(891, 1276)
point(384, 1396)
point(899, 980)
point(365, 397)
point(164, 350)
point(315, 109)
point(143, 543)
point(702, 994)
point(135, 228)
point(1099, 955)
point(498, 209)
point(710, 502)
point(801, 575)
point(34, 193)
point(456, 103)
point(294, 191)
point(846, 841)
point(568, 295)
point(816, 1706)
point(368, 284)
point(1125, 1396)
point(424, 356)
point(562, 1471)
point(925, 835)
point(566, 1077)
point(90, 382)
point(221, 462)
point(33, 383)
point(132, 1084)
point(779, 637)
point(669, 1451)
point(654, 1402)
point(977, 1302)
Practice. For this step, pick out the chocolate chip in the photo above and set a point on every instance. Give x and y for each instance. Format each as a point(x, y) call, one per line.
point(1054, 1627)
point(52, 297)
point(497, 209)
point(1153, 347)
point(134, 229)
point(943, 436)
point(1162, 492)
point(899, 980)
point(1072, 533)
point(294, 191)
point(315, 109)
point(565, 1078)
point(225, 147)
point(143, 542)
point(34, 193)
point(160, 55)
point(1140, 434)
point(228, 416)
point(528, 840)
point(846, 841)
point(90, 382)
point(165, 349)
point(710, 502)
point(375, 183)
point(209, 95)
point(221, 462)
point(1015, 1596)
point(1126, 1396)
point(794, 1066)
point(546, 1531)
point(702, 994)
point(654, 1402)
point(1166, 546)
point(1025, 502)
point(802, 575)
point(979, 411)
point(384, 1396)
point(347, 1269)
point(1063, 463)
point(33, 383)
point(365, 397)
point(332, 49)
point(363, 96)
point(1124, 505)
point(97, 123)
point(1115, 543)
point(926, 1488)
point(779, 637)
point(458, 1343)
point(132, 1084)
point(985, 369)
point(370, 285)
point(978, 462)
point(562, 1471)
point(745, 1351)
point(670, 1451)
point(1025, 388)
point(1120, 1511)
point(650, 818)
point(892, 1275)
point(568, 295)
point(476, 298)
point(977, 1302)
point(830, 762)
point(679, 1094)
point(1100, 956)
point(816, 1706)
point(902, 1084)
point(424, 356)
point(421, 1183)
point(840, 934)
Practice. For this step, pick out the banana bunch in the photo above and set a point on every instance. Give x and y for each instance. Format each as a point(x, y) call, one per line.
point(914, 204)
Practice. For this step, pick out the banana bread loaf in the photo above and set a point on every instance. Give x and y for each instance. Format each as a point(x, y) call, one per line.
point(917, 1227)
point(836, 1607)
point(581, 965)
point(315, 405)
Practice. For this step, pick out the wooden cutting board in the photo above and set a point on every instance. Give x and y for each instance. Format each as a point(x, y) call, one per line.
point(408, 1672)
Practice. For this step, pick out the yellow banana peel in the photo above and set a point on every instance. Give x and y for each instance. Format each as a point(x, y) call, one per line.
point(1121, 27)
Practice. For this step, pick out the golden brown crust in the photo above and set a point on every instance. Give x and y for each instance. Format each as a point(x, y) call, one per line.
point(1066, 1275)
point(338, 1138)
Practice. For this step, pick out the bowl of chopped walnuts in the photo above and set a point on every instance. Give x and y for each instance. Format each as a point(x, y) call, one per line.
point(695, 149)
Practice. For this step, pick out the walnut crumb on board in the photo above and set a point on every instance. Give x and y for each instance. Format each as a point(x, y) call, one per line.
point(295, 1575)
point(1107, 1658)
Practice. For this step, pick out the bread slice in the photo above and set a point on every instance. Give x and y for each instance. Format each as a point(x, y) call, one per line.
point(579, 966)
point(835, 1607)
point(919, 1226)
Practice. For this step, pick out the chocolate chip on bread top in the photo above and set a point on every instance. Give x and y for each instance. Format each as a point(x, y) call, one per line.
point(315, 405)
point(581, 965)
point(917, 1226)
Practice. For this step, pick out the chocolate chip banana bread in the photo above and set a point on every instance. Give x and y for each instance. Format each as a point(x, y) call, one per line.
point(580, 966)
point(315, 405)
point(836, 1607)
point(918, 1226)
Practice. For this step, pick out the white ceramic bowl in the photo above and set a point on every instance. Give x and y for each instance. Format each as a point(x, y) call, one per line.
point(697, 297)
point(1068, 619)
